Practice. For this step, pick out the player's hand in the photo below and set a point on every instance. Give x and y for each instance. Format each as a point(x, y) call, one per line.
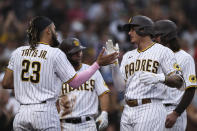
point(65, 105)
point(102, 119)
point(171, 119)
point(104, 60)
point(111, 49)
point(151, 78)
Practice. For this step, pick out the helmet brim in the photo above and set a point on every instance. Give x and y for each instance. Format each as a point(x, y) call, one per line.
point(127, 27)
point(76, 49)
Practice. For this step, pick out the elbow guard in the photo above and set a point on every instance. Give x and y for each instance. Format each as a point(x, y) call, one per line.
point(181, 80)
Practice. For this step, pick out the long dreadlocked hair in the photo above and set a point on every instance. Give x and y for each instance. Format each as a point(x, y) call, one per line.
point(33, 34)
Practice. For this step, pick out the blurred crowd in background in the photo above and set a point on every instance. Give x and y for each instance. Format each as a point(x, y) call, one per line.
point(93, 22)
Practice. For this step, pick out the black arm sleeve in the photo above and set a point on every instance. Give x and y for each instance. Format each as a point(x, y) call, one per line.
point(185, 101)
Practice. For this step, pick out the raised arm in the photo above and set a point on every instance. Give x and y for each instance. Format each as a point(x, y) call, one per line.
point(118, 80)
point(85, 75)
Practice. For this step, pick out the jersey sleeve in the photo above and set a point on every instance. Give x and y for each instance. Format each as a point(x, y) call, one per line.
point(11, 61)
point(63, 68)
point(122, 67)
point(168, 62)
point(189, 73)
point(100, 84)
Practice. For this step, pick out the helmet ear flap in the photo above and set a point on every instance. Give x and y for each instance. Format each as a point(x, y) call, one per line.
point(140, 31)
point(144, 31)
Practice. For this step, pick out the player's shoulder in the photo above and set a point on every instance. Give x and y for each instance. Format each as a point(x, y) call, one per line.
point(163, 48)
point(86, 66)
point(56, 51)
point(17, 50)
point(23, 47)
point(130, 53)
point(83, 66)
point(184, 55)
point(49, 47)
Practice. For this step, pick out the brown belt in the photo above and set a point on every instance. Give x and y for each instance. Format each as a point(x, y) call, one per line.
point(134, 102)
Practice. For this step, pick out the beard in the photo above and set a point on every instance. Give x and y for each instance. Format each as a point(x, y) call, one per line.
point(55, 42)
point(74, 63)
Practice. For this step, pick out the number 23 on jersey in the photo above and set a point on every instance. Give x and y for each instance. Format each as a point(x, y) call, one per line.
point(35, 76)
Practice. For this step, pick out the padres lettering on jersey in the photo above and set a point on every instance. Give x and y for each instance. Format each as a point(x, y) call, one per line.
point(141, 65)
point(87, 86)
point(84, 100)
point(156, 59)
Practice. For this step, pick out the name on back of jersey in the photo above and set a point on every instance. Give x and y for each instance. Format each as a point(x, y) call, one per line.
point(87, 86)
point(34, 53)
point(141, 65)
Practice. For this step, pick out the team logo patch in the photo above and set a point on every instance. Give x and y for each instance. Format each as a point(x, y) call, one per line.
point(76, 43)
point(130, 20)
point(177, 67)
point(192, 78)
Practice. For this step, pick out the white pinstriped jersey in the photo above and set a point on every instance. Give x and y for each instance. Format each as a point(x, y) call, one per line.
point(84, 100)
point(186, 62)
point(38, 73)
point(156, 59)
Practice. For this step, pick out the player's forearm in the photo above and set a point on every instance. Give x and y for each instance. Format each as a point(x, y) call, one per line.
point(104, 102)
point(118, 80)
point(7, 85)
point(185, 101)
point(57, 106)
point(174, 81)
point(83, 76)
point(8, 80)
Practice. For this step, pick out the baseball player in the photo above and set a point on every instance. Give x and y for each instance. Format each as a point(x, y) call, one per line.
point(142, 73)
point(37, 72)
point(77, 110)
point(176, 101)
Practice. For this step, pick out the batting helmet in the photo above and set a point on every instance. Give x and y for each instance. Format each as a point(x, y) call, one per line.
point(166, 29)
point(70, 46)
point(143, 25)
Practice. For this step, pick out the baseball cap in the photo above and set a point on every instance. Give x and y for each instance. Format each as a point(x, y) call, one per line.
point(71, 46)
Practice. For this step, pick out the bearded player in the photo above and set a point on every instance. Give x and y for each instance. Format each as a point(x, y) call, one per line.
point(36, 72)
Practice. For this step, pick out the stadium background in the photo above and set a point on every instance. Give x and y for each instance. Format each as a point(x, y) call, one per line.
point(93, 22)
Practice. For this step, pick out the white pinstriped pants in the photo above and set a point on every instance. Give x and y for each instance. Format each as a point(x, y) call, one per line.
point(38, 117)
point(85, 126)
point(181, 121)
point(146, 117)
